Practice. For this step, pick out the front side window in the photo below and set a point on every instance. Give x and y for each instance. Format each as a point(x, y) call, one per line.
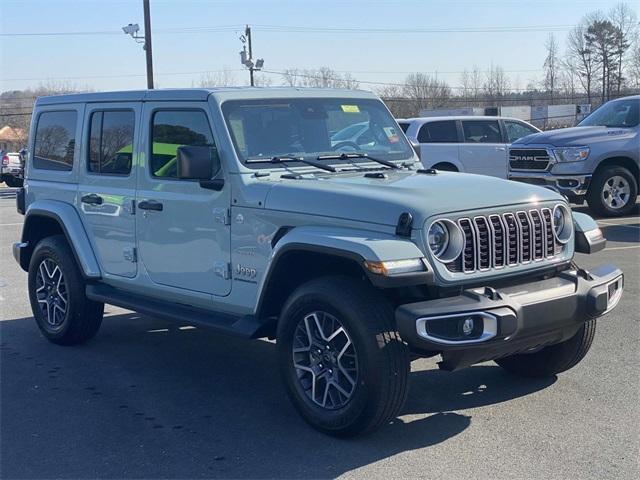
point(481, 131)
point(438, 132)
point(111, 142)
point(617, 114)
point(172, 129)
point(55, 140)
point(313, 127)
point(517, 130)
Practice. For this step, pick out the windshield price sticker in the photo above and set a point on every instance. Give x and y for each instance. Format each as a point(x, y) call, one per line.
point(350, 108)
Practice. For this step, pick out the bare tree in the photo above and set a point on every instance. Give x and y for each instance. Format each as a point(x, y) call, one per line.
point(582, 57)
point(321, 77)
point(223, 78)
point(626, 21)
point(551, 65)
point(425, 91)
point(496, 84)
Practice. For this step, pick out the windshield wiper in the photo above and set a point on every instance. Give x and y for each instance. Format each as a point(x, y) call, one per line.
point(284, 158)
point(348, 156)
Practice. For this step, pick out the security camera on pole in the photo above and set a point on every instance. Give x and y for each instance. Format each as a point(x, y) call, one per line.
point(133, 29)
point(246, 58)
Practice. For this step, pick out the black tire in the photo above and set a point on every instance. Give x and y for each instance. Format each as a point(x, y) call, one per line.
point(596, 191)
point(380, 387)
point(446, 167)
point(13, 182)
point(553, 359)
point(82, 317)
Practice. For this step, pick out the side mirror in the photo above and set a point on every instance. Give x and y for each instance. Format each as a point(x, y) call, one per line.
point(197, 163)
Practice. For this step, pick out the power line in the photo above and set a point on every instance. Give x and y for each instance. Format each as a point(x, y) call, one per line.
point(333, 30)
point(306, 29)
point(123, 75)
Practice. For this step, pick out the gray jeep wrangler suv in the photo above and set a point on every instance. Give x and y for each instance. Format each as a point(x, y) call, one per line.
point(238, 210)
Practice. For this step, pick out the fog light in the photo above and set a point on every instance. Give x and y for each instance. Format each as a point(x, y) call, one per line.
point(614, 292)
point(467, 326)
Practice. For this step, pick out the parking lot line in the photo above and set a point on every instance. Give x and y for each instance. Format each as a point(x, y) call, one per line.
point(623, 248)
point(9, 224)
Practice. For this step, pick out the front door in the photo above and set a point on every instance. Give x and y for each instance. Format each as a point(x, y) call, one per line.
point(107, 183)
point(183, 232)
point(483, 150)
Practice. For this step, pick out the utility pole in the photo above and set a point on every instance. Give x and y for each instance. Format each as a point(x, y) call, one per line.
point(246, 57)
point(247, 32)
point(147, 43)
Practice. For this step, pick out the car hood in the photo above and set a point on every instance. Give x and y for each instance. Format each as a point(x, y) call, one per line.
point(382, 200)
point(573, 137)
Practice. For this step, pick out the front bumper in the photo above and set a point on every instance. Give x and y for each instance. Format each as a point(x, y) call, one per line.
point(572, 186)
point(514, 319)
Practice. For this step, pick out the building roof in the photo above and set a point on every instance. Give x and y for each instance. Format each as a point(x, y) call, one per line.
point(12, 134)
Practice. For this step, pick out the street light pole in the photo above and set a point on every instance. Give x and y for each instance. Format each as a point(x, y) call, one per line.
point(147, 43)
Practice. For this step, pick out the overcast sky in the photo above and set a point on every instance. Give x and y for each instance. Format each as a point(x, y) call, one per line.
point(191, 37)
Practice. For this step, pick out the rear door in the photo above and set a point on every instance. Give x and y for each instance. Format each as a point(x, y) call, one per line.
point(107, 182)
point(439, 143)
point(183, 230)
point(483, 150)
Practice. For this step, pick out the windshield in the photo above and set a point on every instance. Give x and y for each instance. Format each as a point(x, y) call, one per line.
point(309, 127)
point(620, 113)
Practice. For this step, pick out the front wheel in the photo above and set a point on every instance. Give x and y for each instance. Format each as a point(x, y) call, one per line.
point(553, 359)
point(344, 365)
point(613, 192)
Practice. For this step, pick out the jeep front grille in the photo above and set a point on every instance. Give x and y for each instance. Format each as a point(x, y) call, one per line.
point(528, 159)
point(506, 240)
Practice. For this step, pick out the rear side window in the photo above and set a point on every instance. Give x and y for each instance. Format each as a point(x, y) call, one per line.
point(438, 132)
point(111, 142)
point(55, 140)
point(404, 126)
point(481, 131)
point(516, 130)
point(172, 129)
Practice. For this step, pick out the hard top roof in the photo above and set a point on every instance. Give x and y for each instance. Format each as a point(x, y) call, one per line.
point(201, 94)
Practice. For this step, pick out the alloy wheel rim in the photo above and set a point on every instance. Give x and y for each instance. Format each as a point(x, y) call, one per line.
point(51, 293)
point(616, 192)
point(325, 360)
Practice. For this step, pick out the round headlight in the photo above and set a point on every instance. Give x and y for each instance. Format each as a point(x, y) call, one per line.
point(445, 240)
point(558, 221)
point(438, 238)
point(562, 223)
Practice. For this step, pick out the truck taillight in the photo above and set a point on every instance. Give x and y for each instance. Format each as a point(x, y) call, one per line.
point(5, 160)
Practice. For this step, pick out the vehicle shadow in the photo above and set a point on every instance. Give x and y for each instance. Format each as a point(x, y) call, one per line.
point(629, 232)
point(147, 398)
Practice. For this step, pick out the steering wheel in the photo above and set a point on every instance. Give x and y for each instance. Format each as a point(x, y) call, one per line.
point(346, 146)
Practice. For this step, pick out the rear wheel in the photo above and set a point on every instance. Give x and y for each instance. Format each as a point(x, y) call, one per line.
point(613, 191)
point(343, 363)
point(553, 359)
point(446, 167)
point(57, 292)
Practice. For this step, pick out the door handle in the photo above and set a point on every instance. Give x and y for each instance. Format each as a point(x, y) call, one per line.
point(150, 205)
point(91, 199)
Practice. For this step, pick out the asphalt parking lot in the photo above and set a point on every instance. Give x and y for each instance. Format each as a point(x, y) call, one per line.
point(152, 399)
